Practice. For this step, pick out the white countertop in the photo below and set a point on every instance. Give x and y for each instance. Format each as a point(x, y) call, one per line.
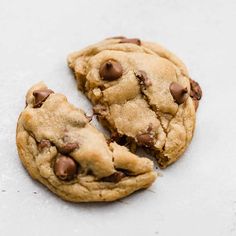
point(195, 196)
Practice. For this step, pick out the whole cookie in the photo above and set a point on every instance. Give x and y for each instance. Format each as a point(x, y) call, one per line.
point(61, 149)
point(141, 92)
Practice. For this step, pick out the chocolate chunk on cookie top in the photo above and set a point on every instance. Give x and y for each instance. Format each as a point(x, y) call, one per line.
point(153, 87)
point(115, 178)
point(146, 140)
point(179, 93)
point(61, 149)
point(110, 70)
point(68, 147)
point(65, 168)
point(195, 93)
point(43, 144)
point(117, 37)
point(131, 40)
point(40, 96)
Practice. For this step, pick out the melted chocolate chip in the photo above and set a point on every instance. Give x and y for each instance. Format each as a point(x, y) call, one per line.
point(178, 92)
point(133, 40)
point(40, 96)
point(65, 168)
point(143, 79)
point(145, 140)
point(195, 93)
point(125, 171)
point(68, 147)
point(117, 37)
point(44, 143)
point(114, 178)
point(111, 70)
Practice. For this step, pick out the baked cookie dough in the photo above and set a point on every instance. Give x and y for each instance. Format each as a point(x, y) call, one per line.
point(61, 149)
point(141, 92)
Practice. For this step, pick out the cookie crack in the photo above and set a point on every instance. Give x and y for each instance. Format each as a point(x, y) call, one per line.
point(146, 98)
point(155, 110)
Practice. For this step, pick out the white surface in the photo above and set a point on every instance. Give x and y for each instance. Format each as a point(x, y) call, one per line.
point(197, 195)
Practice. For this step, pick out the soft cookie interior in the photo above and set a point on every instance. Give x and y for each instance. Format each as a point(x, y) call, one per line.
point(60, 148)
point(141, 92)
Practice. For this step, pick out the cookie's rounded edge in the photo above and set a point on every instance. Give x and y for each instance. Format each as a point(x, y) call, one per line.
point(166, 159)
point(166, 54)
point(120, 189)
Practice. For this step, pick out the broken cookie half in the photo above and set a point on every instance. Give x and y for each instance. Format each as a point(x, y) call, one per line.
point(61, 149)
point(141, 92)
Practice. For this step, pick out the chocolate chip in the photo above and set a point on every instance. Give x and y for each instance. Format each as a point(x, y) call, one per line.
point(145, 139)
point(143, 79)
point(117, 37)
point(65, 168)
point(44, 143)
point(68, 147)
point(111, 70)
point(115, 177)
point(40, 96)
point(125, 171)
point(195, 93)
point(178, 92)
point(133, 40)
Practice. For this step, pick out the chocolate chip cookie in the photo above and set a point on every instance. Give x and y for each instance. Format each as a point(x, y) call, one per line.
point(61, 149)
point(141, 92)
